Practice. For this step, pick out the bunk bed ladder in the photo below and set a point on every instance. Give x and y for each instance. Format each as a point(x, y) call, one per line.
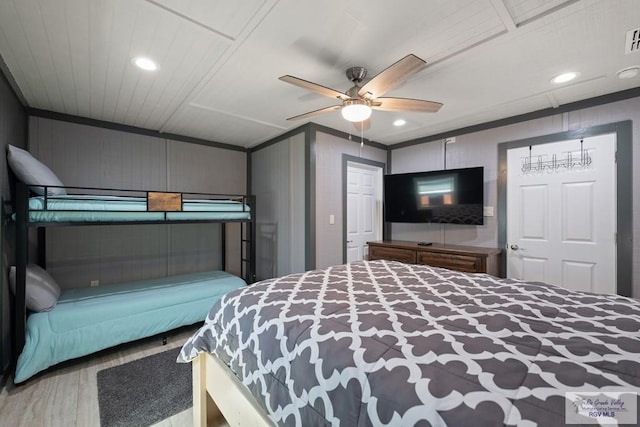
point(248, 245)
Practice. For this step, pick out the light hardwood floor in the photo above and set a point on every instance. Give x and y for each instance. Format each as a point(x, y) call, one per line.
point(68, 395)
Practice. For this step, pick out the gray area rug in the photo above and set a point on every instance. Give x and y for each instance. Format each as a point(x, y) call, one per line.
point(144, 391)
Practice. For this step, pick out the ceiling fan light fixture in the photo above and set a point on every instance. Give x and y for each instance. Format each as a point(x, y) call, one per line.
point(356, 110)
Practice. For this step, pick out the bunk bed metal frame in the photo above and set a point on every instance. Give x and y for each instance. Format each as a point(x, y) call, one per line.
point(23, 224)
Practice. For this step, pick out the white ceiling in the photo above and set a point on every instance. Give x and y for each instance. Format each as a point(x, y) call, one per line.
point(220, 60)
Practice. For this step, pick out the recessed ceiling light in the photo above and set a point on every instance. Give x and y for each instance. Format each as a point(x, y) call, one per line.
point(400, 122)
point(629, 72)
point(564, 77)
point(144, 63)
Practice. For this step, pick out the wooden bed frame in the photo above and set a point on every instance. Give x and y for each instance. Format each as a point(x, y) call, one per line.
point(219, 398)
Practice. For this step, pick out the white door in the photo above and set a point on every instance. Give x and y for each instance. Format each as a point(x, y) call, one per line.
point(364, 209)
point(561, 221)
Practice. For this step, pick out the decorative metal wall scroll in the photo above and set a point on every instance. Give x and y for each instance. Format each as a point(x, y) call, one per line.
point(571, 160)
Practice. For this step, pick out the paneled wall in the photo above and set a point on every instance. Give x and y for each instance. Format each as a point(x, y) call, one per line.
point(481, 149)
point(13, 130)
point(298, 183)
point(329, 187)
point(278, 181)
point(88, 156)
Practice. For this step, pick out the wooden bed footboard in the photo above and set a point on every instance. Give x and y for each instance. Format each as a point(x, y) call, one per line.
point(219, 398)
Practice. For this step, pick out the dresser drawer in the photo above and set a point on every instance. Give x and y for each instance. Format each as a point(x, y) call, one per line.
point(469, 259)
point(392, 254)
point(466, 263)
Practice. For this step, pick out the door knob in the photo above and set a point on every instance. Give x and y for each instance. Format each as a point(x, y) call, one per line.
point(515, 247)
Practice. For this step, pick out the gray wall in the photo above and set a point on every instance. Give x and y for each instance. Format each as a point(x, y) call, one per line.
point(278, 181)
point(88, 156)
point(13, 130)
point(297, 180)
point(329, 150)
point(481, 149)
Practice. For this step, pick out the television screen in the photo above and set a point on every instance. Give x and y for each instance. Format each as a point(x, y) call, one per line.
point(454, 196)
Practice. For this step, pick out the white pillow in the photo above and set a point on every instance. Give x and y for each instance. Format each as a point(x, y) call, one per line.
point(33, 172)
point(41, 290)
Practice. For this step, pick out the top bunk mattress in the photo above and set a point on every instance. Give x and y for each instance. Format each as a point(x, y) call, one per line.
point(100, 208)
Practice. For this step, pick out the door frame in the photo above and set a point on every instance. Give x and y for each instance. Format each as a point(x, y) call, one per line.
point(624, 193)
point(346, 159)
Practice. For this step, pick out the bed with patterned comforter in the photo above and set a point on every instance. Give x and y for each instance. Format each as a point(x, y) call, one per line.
point(386, 343)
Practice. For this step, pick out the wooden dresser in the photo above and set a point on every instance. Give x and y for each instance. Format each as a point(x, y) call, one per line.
point(469, 259)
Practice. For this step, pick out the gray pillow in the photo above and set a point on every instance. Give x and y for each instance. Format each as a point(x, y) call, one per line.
point(33, 172)
point(41, 290)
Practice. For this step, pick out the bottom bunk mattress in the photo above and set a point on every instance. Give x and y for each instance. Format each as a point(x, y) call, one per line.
point(86, 320)
point(385, 343)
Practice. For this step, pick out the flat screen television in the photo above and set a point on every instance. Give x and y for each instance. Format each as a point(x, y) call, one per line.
point(454, 196)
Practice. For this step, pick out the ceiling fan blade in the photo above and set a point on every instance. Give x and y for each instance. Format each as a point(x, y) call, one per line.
point(392, 76)
point(362, 126)
point(314, 87)
point(316, 112)
point(406, 104)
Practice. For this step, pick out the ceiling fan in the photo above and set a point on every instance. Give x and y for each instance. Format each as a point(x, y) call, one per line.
point(358, 101)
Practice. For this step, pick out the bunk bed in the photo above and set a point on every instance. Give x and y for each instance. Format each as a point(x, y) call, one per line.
point(83, 321)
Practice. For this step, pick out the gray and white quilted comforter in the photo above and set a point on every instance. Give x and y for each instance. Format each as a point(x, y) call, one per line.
point(386, 343)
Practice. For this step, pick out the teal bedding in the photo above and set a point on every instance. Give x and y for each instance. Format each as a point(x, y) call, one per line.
point(90, 208)
point(87, 320)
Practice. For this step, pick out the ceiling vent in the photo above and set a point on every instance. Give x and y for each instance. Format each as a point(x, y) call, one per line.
point(632, 43)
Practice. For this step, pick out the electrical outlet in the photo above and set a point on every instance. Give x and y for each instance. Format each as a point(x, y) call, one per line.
point(95, 283)
point(488, 211)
